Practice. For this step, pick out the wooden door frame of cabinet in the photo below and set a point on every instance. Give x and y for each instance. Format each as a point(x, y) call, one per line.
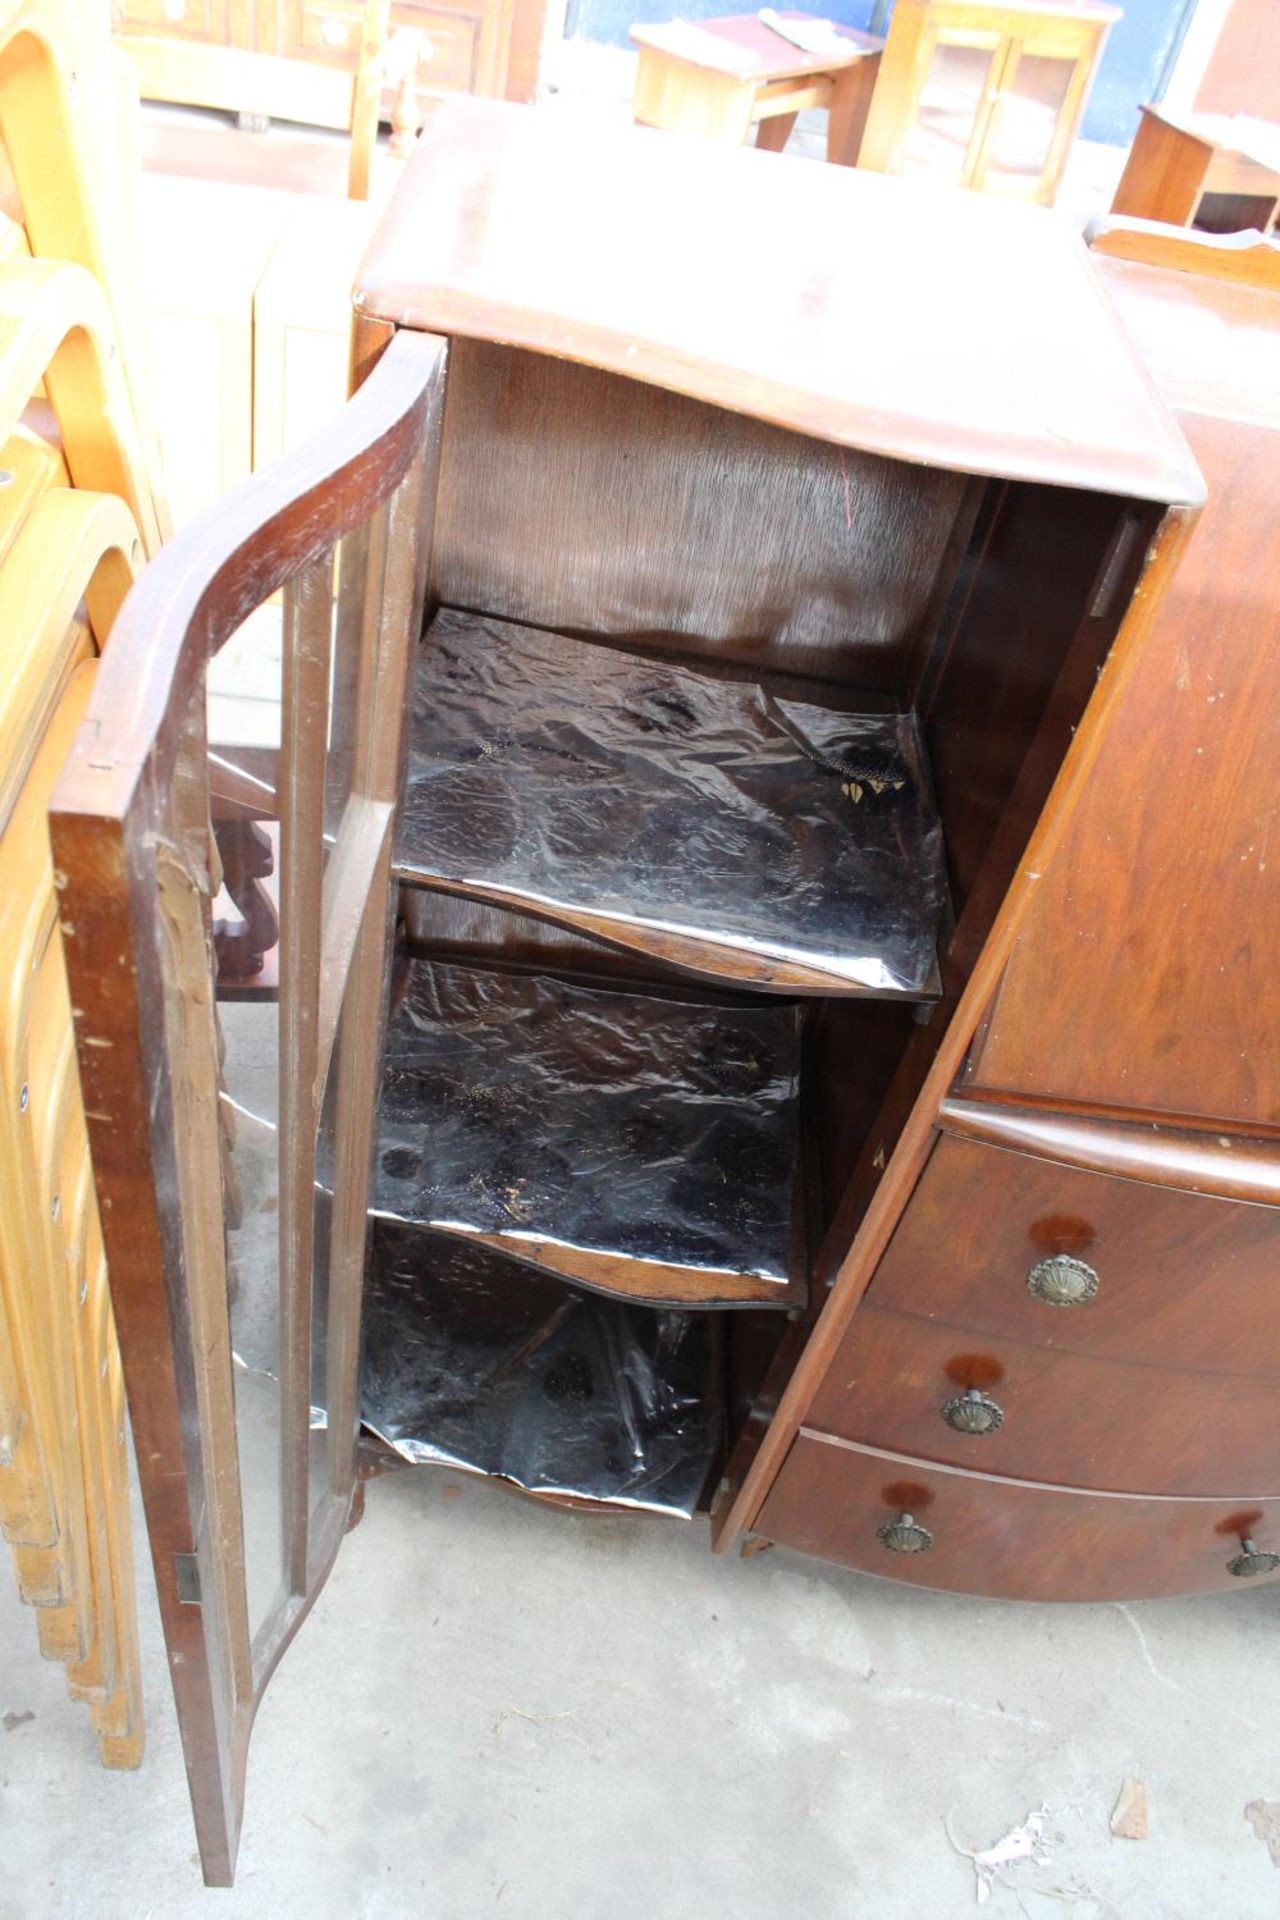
point(131, 842)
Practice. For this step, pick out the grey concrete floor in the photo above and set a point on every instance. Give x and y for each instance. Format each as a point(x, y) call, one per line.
point(503, 1708)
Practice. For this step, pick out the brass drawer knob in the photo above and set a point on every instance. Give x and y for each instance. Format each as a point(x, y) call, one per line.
point(1252, 1559)
point(973, 1412)
point(904, 1535)
point(1063, 1281)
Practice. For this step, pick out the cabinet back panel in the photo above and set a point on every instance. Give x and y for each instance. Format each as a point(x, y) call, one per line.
point(1040, 601)
point(582, 501)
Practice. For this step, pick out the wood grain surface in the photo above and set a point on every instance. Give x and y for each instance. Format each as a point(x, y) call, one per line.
point(1011, 1539)
point(967, 334)
point(1071, 1419)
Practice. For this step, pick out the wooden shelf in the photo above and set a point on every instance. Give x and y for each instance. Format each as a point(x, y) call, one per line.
point(471, 1361)
point(646, 1148)
point(701, 819)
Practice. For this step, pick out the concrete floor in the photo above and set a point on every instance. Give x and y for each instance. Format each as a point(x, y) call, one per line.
point(502, 1708)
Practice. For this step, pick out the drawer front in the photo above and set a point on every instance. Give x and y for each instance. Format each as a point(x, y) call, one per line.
point(909, 1385)
point(329, 31)
point(208, 21)
point(1182, 1281)
point(1011, 1540)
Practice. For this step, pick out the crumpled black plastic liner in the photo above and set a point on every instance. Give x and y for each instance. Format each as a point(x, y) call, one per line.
point(622, 1123)
point(581, 776)
point(473, 1361)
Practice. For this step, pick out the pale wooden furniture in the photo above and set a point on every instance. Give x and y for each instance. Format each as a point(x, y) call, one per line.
point(722, 77)
point(80, 507)
point(64, 123)
point(989, 91)
point(253, 286)
point(1180, 162)
point(205, 248)
point(324, 61)
point(302, 323)
point(195, 56)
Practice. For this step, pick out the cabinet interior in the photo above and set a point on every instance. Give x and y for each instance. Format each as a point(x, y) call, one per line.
point(725, 745)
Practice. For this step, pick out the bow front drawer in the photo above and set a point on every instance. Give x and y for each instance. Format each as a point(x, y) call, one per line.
point(1029, 1250)
point(998, 1406)
point(936, 1526)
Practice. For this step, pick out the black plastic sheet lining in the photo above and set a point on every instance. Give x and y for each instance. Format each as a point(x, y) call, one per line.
point(474, 1362)
point(521, 1106)
point(575, 776)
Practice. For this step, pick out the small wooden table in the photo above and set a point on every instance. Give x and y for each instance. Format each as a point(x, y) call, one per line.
point(1032, 35)
point(1178, 160)
point(721, 77)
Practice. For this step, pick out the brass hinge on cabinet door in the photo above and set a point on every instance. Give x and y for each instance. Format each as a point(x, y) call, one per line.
point(186, 1573)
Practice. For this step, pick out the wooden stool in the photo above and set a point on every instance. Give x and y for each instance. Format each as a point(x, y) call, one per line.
point(1011, 34)
point(720, 77)
point(1177, 161)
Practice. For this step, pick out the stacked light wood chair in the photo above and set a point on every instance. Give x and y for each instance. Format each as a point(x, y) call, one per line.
point(79, 514)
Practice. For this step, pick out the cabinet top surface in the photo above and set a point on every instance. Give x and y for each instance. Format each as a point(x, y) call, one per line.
point(1093, 10)
point(940, 327)
point(1213, 346)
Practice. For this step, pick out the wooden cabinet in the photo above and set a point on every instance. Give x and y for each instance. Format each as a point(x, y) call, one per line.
point(732, 688)
point(296, 59)
point(466, 48)
point(987, 92)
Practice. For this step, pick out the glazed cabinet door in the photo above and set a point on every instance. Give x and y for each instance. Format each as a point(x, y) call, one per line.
point(248, 714)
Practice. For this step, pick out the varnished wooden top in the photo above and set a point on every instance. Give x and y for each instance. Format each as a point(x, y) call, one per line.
point(945, 328)
point(1243, 133)
point(1212, 344)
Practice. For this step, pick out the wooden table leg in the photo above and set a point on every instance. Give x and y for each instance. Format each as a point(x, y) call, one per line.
point(850, 104)
point(1164, 175)
point(773, 133)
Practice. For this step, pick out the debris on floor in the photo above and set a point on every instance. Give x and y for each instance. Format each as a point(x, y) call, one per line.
point(1014, 1864)
point(1129, 1821)
point(1264, 1817)
point(1021, 1843)
point(12, 1720)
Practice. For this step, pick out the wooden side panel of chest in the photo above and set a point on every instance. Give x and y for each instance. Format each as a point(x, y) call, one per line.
point(1144, 975)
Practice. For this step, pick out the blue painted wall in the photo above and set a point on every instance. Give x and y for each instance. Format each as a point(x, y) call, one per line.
point(1132, 69)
